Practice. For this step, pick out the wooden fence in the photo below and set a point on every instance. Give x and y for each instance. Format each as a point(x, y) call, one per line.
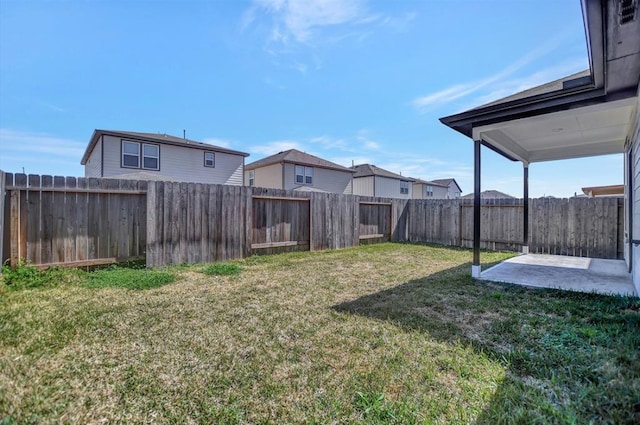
point(74, 221)
point(78, 221)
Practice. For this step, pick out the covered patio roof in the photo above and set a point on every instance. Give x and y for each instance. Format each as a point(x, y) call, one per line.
point(584, 114)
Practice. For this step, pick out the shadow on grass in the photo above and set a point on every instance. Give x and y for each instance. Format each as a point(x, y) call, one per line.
point(570, 357)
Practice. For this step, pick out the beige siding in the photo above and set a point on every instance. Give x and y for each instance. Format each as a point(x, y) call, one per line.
point(180, 163)
point(419, 191)
point(634, 137)
point(390, 188)
point(269, 176)
point(93, 166)
point(333, 181)
point(363, 186)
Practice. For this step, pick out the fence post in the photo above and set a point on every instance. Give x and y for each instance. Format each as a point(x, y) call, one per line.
point(2, 200)
point(14, 234)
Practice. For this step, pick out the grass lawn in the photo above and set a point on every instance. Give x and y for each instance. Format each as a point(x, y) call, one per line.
point(380, 334)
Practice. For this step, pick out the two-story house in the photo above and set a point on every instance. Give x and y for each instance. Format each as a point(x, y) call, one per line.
point(453, 191)
point(297, 170)
point(151, 156)
point(423, 189)
point(370, 180)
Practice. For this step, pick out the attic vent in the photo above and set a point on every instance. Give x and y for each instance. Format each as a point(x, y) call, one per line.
point(627, 11)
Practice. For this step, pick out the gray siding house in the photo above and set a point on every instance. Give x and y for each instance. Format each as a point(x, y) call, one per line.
point(453, 191)
point(423, 189)
point(370, 180)
point(151, 156)
point(295, 170)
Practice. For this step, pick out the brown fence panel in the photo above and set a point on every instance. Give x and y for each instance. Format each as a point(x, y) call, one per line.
point(434, 221)
point(280, 224)
point(374, 222)
point(501, 224)
point(59, 220)
point(582, 227)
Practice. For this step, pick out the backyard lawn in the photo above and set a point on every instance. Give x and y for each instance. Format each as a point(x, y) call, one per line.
point(379, 334)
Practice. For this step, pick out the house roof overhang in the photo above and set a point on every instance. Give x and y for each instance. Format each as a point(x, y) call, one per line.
point(581, 115)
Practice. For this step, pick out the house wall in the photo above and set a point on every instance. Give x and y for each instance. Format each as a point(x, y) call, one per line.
point(93, 166)
point(184, 164)
point(363, 186)
point(440, 192)
point(390, 188)
point(333, 181)
point(269, 176)
point(452, 191)
point(634, 145)
point(419, 191)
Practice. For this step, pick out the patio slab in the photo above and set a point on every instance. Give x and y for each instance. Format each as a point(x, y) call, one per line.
point(561, 272)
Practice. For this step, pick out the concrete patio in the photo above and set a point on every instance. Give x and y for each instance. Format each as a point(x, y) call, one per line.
point(561, 272)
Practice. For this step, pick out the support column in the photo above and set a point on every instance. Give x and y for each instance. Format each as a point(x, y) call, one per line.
point(525, 218)
point(475, 268)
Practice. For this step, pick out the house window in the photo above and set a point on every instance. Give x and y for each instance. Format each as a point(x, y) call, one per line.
point(304, 175)
point(252, 178)
point(429, 191)
point(209, 159)
point(404, 187)
point(140, 155)
point(150, 157)
point(130, 154)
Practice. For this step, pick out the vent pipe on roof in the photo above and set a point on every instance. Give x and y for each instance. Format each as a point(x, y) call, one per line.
point(184, 134)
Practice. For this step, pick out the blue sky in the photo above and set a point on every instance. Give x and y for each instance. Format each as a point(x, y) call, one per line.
point(347, 80)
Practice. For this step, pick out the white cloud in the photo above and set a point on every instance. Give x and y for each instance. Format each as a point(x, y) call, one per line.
point(498, 82)
point(272, 148)
point(38, 143)
point(40, 153)
point(515, 85)
point(295, 20)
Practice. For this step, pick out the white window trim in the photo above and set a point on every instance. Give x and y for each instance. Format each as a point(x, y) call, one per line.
point(214, 159)
point(143, 156)
point(404, 187)
point(252, 178)
point(122, 154)
point(307, 172)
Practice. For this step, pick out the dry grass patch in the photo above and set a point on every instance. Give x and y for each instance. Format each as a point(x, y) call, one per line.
point(384, 333)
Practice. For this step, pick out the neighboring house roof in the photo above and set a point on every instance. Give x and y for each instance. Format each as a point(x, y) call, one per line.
point(447, 182)
point(294, 156)
point(430, 183)
point(156, 138)
point(490, 194)
point(612, 190)
point(309, 189)
point(366, 170)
